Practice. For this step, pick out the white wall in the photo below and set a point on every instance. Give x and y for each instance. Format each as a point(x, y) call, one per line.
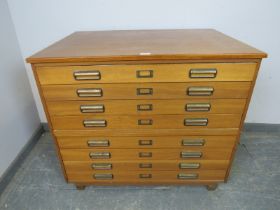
point(39, 23)
point(18, 114)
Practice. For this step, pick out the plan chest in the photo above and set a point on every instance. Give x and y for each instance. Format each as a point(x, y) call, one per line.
point(146, 107)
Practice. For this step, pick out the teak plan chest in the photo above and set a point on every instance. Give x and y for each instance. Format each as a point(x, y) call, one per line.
point(146, 107)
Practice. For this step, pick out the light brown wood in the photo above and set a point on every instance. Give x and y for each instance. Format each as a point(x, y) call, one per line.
point(157, 121)
point(157, 154)
point(159, 73)
point(157, 177)
point(160, 91)
point(156, 165)
point(81, 142)
point(130, 107)
point(145, 45)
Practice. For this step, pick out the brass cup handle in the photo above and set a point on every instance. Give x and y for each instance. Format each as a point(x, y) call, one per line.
point(144, 91)
point(198, 107)
point(87, 75)
point(187, 176)
point(196, 122)
point(189, 165)
point(97, 108)
point(98, 143)
point(103, 176)
point(200, 91)
point(102, 166)
point(203, 73)
point(191, 154)
point(144, 73)
point(145, 154)
point(100, 155)
point(193, 142)
point(90, 92)
point(145, 142)
point(145, 122)
point(145, 176)
point(95, 123)
point(144, 107)
point(145, 165)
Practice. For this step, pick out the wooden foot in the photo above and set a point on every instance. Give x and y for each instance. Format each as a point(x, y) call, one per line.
point(80, 187)
point(212, 187)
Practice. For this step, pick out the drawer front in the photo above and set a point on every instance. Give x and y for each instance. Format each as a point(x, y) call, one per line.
point(146, 73)
point(146, 154)
point(166, 165)
point(144, 107)
point(147, 121)
point(146, 177)
point(147, 91)
point(84, 142)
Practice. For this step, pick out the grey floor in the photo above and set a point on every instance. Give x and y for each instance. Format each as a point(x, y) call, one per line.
point(254, 184)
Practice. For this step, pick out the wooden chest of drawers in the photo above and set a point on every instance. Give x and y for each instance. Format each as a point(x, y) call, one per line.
point(146, 107)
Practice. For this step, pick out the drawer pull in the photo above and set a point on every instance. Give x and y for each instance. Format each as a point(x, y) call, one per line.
point(144, 91)
point(189, 165)
point(196, 122)
point(145, 122)
point(103, 176)
point(200, 91)
point(145, 107)
point(98, 108)
point(144, 74)
point(145, 176)
point(87, 75)
point(94, 92)
point(98, 143)
point(145, 165)
point(193, 142)
point(95, 123)
point(187, 176)
point(191, 154)
point(100, 155)
point(145, 142)
point(203, 73)
point(198, 107)
point(101, 166)
point(145, 154)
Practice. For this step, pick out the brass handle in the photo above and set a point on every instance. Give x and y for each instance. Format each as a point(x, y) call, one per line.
point(144, 91)
point(193, 142)
point(98, 108)
point(145, 142)
point(100, 155)
point(200, 91)
point(101, 166)
point(145, 122)
point(203, 73)
point(187, 176)
point(103, 176)
point(145, 107)
point(145, 154)
point(191, 154)
point(145, 165)
point(98, 143)
point(144, 73)
point(189, 165)
point(87, 75)
point(198, 107)
point(145, 176)
point(95, 123)
point(196, 122)
point(90, 92)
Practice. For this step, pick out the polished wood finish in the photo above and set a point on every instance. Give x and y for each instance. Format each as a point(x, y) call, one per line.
point(169, 104)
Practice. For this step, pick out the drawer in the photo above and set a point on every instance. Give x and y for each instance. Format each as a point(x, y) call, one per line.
point(143, 107)
point(147, 91)
point(147, 121)
point(146, 154)
point(161, 177)
point(146, 73)
point(84, 142)
point(155, 165)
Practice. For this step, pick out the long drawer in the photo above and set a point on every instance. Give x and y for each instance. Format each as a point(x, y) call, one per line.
point(146, 154)
point(146, 177)
point(146, 73)
point(147, 91)
point(144, 165)
point(147, 121)
point(143, 107)
point(84, 142)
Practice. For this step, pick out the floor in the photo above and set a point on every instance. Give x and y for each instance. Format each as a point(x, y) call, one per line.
point(254, 184)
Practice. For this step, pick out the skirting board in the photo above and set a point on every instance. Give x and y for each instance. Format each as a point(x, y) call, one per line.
point(11, 171)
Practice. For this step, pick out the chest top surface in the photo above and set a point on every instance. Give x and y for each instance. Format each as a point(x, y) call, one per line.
point(135, 45)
